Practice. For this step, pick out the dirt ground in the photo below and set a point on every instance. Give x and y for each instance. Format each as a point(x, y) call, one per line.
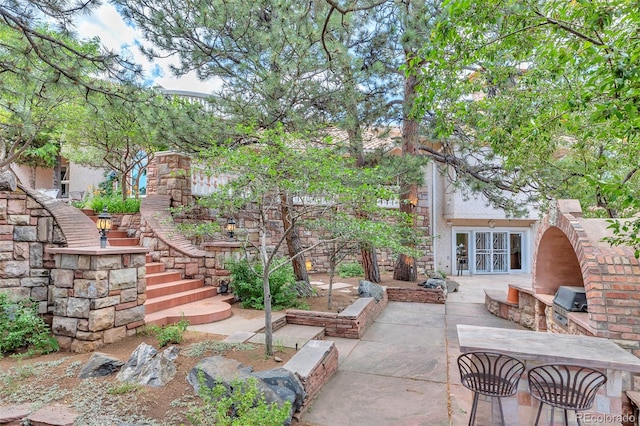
point(343, 297)
point(51, 378)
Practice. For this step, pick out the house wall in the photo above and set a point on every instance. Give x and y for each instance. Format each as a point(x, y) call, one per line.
point(43, 177)
point(456, 212)
point(83, 178)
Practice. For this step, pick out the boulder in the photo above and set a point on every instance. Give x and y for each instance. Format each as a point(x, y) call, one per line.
point(369, 289)
point(147, 366)
point(435, 283)
point(452, 286)
point(100, 365)
point(285, 385)
point(217, 370)
point(8, 181)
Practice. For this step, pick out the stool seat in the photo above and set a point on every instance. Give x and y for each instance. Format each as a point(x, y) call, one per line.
point(565, 386)
point(491, 374)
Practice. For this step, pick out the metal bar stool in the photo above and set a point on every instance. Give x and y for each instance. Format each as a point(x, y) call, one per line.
point(565, 386)
point(491, 374)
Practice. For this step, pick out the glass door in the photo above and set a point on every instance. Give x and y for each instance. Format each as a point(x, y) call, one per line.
point(491, 252)
point(462, 252)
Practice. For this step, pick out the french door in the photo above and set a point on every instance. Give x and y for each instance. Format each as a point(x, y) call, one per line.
point(491, 252)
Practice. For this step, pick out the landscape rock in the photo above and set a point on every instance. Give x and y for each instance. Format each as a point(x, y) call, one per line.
point(369, 289)
point(8, 181)
point(285, 386)
point(100, 365)
point(149, 367)
point(217, 370)
point(435, 283)
point(452, 286)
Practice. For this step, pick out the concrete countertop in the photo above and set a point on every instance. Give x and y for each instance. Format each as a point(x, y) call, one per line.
point(546, 347)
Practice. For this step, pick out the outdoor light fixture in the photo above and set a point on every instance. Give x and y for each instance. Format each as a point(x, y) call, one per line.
point(104, 226)
point(492, 224)
point(231, 227)
point(308, 265)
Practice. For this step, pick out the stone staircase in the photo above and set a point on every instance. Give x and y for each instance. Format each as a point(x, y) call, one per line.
point(170, 297)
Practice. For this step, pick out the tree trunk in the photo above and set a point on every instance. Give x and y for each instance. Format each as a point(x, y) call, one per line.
point(294, 245)
point(370, 264)
point(405, 268)
point(57, 174)
point(268, 329)
point(32, 177)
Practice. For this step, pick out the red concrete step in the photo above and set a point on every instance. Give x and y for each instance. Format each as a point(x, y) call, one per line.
point(203, 311)
point(172, 287)
point(149, 258)
point(163, 277)
point(173, 300)
point(121, 242)
point(117, 234)
point(154, 267)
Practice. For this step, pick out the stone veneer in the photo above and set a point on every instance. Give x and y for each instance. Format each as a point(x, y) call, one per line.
point(169, 174)
point(99, 295)
point(350, 323)
point(26, 228)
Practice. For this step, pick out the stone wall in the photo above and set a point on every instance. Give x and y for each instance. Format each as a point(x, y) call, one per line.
point(26, 229)
point(416, 295)
point(314, 365)
point(98, 294)
point(350, 323)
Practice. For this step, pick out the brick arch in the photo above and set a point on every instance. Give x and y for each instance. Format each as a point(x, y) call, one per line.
point(569, 251)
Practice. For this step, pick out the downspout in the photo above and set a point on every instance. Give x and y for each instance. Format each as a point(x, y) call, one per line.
point(433, 213)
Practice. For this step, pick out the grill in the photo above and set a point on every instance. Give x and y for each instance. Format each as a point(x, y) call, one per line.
point(568, 299)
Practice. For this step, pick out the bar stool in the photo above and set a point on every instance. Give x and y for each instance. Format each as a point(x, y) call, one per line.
point(565, 386)
point(491, 374)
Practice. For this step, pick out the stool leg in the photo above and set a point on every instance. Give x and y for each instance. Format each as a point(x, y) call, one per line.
point(474, 406)
point(578, 419)
point(501, 413)
point(538, 416)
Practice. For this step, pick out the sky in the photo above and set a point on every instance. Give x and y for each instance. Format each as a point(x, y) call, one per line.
point(106, 24)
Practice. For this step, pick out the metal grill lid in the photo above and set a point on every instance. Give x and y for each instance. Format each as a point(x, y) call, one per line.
point(571, 298)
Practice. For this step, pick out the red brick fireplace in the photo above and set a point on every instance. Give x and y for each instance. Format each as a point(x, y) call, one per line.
point(570, 252)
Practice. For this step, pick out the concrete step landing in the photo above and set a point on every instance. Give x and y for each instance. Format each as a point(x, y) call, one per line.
point(203, 311)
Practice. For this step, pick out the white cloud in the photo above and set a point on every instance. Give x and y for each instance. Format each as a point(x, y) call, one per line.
point(107, 24)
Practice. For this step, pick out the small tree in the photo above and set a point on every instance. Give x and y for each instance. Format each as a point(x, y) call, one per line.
point(321, 181)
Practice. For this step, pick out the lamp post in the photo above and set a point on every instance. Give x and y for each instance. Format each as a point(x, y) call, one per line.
point(231, 227)
point(104, 225)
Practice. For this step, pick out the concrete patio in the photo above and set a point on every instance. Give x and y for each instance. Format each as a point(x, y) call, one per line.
point(403, 371)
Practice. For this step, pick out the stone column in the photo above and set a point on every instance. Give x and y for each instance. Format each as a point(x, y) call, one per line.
point(169, 173)
point(99, 295)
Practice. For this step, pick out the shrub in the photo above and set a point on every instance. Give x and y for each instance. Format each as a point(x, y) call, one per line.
point(114, 204)
point(22, 328)
point(172, 333)
point(244, 405)
point(247, 285)
point(348, 270)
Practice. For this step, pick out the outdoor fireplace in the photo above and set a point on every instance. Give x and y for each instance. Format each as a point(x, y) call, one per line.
point(582, 284)
point(568, 299)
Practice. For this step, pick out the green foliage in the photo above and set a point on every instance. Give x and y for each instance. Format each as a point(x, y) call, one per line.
point(123, 388)
point(351, 269)
point(22, 328)
point(114, 204)
point(555, 91)
point(625, 233)
point(172, 333)
point(247, 285)
point(243, 405)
